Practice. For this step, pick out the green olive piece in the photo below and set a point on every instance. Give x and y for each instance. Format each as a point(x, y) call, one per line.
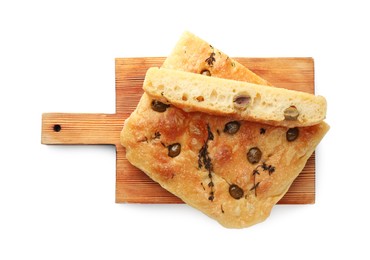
point(291, 113)
point(236, 192)
point(159, 106)
point(254, 155)
point(174, 150)
point(205, 73)
point(241, 101)
point(232, 127)
point(292, 134)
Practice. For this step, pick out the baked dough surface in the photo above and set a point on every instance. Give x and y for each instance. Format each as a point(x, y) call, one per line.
point(211, 171)
point(148, 136)
point(242, 100)
point(193, 54)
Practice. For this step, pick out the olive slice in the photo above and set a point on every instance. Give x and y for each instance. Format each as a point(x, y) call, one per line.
point(292, 134)
point(241, 101)
point(174, 150)
point(205, 73)
point(291, 113)
point(159, 106)
point(236, 192)
point(232, 127)
point(254, 155)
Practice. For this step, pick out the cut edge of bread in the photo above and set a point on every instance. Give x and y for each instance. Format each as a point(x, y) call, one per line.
point(245, 101)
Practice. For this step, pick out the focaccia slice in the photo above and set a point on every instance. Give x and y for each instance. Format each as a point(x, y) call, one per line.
point(242, 100)
point(194, 54)
point(233, 171)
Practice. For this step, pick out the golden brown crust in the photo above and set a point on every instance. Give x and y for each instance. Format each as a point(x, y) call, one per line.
point(147, 134)
point(193, 54)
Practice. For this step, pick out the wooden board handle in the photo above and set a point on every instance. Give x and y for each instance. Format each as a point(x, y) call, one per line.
point(62, 128)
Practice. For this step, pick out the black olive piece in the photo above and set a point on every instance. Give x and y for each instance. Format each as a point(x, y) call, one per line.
point(254, 155)
point(232, 127)
point(205, 73)
point(159, 106)
point(292, 134)
point(236, 192)
point(174, 150)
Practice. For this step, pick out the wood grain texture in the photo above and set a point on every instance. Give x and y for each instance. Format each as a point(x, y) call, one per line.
point(81, 128)
point(132, 185)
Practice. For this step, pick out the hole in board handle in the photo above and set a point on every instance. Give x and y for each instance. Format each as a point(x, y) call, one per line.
point(57, 128)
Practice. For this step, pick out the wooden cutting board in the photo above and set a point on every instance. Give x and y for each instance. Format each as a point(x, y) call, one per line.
point(134, 186)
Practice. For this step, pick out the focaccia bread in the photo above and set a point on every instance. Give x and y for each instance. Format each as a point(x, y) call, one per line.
point(233, 171)
point(242, 100)
point(212, 163)
point(193, 54)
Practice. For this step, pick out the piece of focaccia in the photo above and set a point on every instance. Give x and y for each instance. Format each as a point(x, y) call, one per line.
point(193, 54)
point(233, 171)
point(242, 100)
point(210, 162)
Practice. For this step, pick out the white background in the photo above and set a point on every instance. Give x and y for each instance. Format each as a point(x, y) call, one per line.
point(57, 202)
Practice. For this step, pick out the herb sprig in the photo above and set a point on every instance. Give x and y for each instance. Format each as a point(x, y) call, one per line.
point(211, 59)
point(265, 167)
point(205, 160)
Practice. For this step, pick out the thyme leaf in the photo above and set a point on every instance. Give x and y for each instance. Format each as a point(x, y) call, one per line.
point(211, 59)
point(157, 135)
point(269, 168)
